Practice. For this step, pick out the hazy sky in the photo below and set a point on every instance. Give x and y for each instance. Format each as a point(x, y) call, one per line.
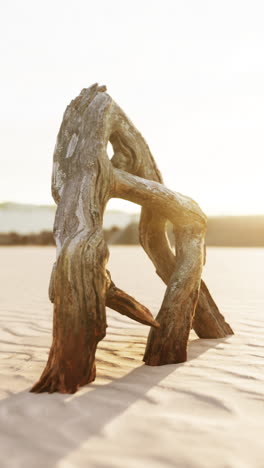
point(189, 73)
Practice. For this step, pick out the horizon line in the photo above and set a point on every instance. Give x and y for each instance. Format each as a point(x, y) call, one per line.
point(132, 212)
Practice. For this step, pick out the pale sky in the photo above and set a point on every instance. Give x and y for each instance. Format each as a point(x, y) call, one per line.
point(189, 73)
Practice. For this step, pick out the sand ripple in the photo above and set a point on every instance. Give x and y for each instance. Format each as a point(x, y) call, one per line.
point(207, 412)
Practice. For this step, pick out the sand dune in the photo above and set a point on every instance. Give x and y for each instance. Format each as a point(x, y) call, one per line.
point(207, 412)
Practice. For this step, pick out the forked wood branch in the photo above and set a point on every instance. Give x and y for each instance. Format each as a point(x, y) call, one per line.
point(84, 179)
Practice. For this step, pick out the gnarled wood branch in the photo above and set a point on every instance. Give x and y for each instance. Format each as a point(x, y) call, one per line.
point(137, 159)
point(83, 181)
point(168, 344)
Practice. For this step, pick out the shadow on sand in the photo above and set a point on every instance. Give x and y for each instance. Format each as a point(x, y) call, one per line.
point(54, 425)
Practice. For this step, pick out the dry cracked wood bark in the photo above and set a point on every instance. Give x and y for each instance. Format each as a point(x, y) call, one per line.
point(84, 179)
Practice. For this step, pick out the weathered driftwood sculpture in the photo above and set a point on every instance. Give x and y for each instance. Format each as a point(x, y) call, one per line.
point(84, 179)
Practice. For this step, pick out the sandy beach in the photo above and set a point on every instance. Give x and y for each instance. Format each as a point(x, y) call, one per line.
point(207, 412)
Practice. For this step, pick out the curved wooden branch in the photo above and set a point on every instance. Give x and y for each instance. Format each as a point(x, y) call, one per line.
point(168, 344)
point(83, 181)
point(82, 178)
point(82, 184)
point(208, 321)
point(120, 301)
point(137, 159)
point(132, 154)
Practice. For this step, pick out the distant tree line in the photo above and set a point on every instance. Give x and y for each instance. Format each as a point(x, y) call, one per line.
point(14, 238)
point(229, 231)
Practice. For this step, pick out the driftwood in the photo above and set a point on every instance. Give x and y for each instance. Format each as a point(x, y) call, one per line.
point(84, 179)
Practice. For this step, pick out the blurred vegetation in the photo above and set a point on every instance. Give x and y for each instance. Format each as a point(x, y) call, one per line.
point(13, 238)
point(228, 231)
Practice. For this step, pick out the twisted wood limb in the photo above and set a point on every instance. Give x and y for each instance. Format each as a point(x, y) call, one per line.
point(80, 170)
point(208, 321)
point(81, 186)
point(120, 301)
point(132, 154)
point(168, 343)
point(79, 320)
